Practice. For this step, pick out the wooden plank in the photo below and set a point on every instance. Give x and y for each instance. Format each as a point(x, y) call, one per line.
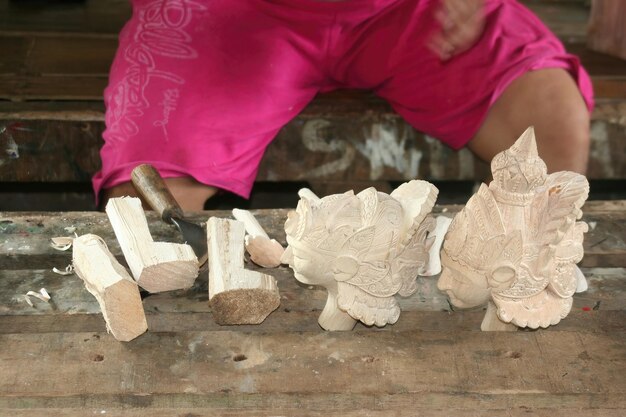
point(95, 16)
point(72, 55)
point(89, 86)
point(607, 292)
point(297, 321)
point(52, 87)
point(381, 370)
point(522, 411)
point(567, 18)
point(14, 52)
point(24, 236)
point(54, 152)
point(63, 146)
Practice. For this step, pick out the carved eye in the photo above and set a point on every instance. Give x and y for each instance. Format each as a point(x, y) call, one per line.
point(345, 267)
point(502, 277)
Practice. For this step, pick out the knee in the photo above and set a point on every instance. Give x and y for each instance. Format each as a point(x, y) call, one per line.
point(563, 136)
point(561, 118)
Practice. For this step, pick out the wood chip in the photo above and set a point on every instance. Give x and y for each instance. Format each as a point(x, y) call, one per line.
point(69, 270)
point(27, 299)
point(61, 243)
point(42, 295)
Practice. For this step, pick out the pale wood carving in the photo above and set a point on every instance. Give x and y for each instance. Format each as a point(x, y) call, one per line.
point(433, 267)
point(108, 281)
point(236, 295)
point(363, 249)
point(263, 251)
point(516, 243)
point(156, 266)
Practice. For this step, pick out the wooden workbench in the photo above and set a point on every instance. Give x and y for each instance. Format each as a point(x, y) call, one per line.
point(57, 359)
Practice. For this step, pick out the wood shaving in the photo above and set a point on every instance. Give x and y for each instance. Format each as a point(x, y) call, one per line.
point(69, 270)
point(42, 295)
point(27, 299)
point(61, 243)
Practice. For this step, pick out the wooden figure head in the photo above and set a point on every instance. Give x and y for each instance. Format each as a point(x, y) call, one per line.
point(363, 249)
point(516, 243)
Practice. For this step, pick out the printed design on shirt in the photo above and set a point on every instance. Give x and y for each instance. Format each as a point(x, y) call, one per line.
point(160, 33)
point(168, 104)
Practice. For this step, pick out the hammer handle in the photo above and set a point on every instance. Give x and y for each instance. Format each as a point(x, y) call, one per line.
point(152, 188)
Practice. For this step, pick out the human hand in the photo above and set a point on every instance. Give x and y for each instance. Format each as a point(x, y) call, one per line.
point(462, 23)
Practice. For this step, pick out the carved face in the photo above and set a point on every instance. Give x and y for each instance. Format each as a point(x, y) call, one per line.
point(464, 290)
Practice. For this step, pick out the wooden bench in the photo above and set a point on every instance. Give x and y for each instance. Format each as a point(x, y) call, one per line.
point(54, 66)
point(57, 359)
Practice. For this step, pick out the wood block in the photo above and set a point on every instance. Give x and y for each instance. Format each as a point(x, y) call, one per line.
point(156, 266)
point(108, 281)
point(236, 295)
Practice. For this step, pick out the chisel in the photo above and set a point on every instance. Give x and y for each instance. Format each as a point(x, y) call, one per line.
point(153, 189)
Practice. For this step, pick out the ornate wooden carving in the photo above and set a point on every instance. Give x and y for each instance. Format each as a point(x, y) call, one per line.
point(363, 249)
point(516, 243)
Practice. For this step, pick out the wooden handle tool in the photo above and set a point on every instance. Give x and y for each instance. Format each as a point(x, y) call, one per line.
point(153, 189)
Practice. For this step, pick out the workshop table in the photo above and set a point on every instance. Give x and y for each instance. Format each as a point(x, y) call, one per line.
point(56, 358)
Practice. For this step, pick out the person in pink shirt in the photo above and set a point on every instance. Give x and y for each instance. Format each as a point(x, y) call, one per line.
point(200, 88)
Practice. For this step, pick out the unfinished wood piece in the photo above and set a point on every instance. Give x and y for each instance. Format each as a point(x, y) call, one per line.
point(516, 243)
point(156, 266)
point(363, 249)
point(108, 281)
point(263, 251)
point(236, 295)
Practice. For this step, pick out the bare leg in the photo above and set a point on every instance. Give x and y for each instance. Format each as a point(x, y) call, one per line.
point(190, 194)
point(550, 101)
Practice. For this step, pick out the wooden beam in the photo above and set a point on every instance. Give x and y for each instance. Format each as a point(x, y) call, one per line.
point(24, 236)
point(63, 145)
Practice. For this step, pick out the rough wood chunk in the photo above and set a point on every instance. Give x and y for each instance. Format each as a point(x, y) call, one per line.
point(116, 291)
point(156, 266)
point(236, 295)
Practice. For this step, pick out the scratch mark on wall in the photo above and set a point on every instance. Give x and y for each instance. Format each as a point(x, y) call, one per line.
point(314, 141)
point(466, 164)
point(601, 148)
point(384, 147)
point(8, 143)
point(436, 162)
